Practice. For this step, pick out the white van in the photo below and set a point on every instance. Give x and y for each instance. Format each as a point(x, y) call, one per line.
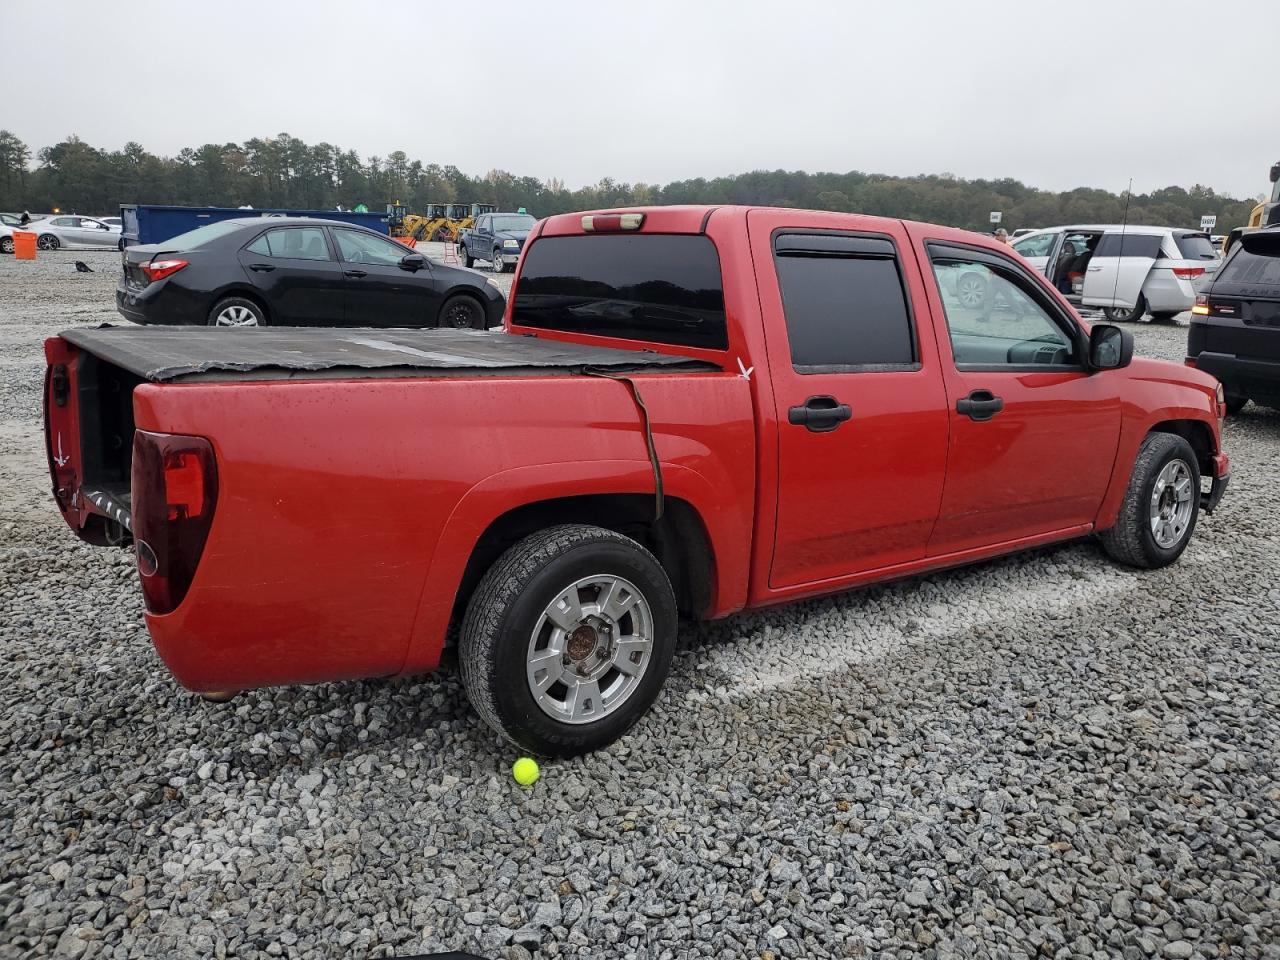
point(1127, 270)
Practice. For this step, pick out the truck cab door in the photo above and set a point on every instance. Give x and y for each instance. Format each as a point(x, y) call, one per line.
point(861, 410)
point(484, 239)
point(1118, 269)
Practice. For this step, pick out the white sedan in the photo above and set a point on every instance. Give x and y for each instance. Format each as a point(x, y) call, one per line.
point(71, 232)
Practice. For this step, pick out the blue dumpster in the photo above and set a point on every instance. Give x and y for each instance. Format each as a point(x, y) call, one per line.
point(154, 223)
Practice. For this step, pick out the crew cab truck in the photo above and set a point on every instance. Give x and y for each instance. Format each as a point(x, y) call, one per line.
point(690, 409)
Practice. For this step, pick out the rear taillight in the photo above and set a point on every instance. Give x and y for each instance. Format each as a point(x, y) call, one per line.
point(174, 491)
point(1188, 273)
point(159, 269)
point(1201, 309)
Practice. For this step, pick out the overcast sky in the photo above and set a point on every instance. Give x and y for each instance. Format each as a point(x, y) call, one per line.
point(1057, 95)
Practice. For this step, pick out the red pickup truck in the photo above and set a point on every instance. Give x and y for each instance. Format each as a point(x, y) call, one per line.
point(691, 410)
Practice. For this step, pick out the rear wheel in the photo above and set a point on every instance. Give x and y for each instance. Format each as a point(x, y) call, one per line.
point(6, 244)
point(1120, 315)
point(568, 639)
point(1160, 505)
point(462, 313)
point(1164, 316)
point(1235, 404)
point(237, 312)
point(465, 257)
point(47, 241)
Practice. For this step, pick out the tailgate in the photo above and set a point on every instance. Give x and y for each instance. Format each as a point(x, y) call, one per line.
point(88, 407)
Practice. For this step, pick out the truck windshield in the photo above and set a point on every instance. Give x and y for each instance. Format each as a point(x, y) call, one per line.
point(200, 235)
point(513, 222)
point(659, 288)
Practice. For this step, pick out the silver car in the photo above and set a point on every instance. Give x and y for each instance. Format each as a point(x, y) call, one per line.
point(73, 232)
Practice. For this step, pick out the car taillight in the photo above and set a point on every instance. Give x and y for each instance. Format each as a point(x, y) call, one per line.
point(1188, 273)
point(174, 492)
point(159, 269)
point(1201, 309)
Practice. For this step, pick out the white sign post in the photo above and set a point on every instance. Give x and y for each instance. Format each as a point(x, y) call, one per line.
point(1208, 222)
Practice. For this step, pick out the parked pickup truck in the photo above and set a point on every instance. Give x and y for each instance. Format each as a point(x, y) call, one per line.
point(691, 409)
point(496, 237)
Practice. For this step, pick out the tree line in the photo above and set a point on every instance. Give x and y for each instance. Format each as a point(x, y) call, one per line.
point(283, 171)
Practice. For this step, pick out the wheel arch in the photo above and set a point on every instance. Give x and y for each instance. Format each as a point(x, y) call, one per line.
point(1196, 433)
point(245, 293)
point(692, 540)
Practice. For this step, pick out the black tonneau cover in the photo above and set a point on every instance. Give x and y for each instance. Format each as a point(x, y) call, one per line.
point(163, 354)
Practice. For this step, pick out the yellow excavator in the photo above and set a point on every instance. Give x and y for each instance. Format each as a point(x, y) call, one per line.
point(1267, 213)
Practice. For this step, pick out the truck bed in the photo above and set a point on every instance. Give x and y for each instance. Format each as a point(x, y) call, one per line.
point(166, 354)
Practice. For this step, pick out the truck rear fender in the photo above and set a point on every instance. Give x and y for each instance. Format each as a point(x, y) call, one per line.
point(703, 542)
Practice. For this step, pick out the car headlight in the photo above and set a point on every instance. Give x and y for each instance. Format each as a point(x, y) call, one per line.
point(511, 243)
point(493, 283)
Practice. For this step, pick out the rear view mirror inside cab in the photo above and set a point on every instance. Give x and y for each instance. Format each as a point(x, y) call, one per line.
point(1110, 347)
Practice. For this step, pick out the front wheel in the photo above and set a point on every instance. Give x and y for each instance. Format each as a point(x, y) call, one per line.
point(568, 639)
point(498, 261)
point(47, 241)
point(1235, 404)
point(462, 313)
point(1121, 315)
point(1160, 504)
point(466, 258)
point(6, 244)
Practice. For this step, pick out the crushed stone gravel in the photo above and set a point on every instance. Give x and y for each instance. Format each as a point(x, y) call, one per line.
point(1046, 755)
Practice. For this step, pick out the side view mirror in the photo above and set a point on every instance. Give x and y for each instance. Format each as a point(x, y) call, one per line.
point(1110, 347)
point(413, 262)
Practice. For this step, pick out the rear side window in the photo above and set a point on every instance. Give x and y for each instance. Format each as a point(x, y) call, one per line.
point(1256, 267)
point(1194, 246)
point(1128, 245)
point(293, 243)
point(844, 302)
point(654, 287)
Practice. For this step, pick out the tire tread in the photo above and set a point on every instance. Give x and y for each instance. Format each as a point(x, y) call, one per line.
point(1123, 542)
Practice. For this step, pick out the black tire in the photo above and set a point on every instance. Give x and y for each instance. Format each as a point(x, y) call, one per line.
point(462, 312)
point(467, 259)
point(47, 241)
point(6, 244)
point(1116, 315)
point(505, 610)
point(120, 244)
point(1235, 404)
point(1164, 316)
point(236, 306)
point(1131, 540)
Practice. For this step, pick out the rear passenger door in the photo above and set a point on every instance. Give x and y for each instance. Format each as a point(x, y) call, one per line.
point(296, 274)
point(1119, 268)
point(862, 421)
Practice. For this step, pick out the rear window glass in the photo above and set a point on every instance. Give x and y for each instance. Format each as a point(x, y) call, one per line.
point(1192, 246)
point(659, 288)
point(201, 235)
point(1247, 266)
point(1128, 245)
point(843, 310)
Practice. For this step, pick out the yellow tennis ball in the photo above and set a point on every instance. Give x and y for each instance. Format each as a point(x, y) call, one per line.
point(526, 771)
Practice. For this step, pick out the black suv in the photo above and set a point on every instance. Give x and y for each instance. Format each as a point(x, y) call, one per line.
point(1235, 324)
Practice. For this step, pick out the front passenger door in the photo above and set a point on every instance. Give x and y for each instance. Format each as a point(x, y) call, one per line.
point(1033, 433)
point(378, 291)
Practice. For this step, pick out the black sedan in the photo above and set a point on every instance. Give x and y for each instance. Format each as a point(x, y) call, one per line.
point(298, 272)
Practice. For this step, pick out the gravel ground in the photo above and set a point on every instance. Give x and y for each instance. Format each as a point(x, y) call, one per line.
point(1045, 756)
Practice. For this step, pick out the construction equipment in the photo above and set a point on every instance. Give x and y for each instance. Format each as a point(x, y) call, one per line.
point(397, 211)
point(463, 215)
point(1266, 213)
